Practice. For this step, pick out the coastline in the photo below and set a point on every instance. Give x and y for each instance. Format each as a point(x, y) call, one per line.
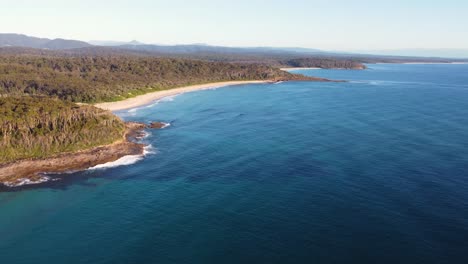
point(36, 171)
point(148, 98)
point(31, 171)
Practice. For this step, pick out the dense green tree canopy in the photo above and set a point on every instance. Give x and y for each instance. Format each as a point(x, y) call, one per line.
point(37, 127)
point(97, 79)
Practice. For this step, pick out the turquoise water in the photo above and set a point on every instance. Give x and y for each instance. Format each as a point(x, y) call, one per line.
point(370, 171)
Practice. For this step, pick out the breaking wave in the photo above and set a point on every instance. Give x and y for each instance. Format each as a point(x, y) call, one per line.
point(24, 181)
point(164, 99)
point(126, 160)
point(123, 161)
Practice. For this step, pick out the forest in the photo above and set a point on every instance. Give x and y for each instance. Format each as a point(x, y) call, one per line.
point(37, 127)
point(325, 63)
point(93, 79)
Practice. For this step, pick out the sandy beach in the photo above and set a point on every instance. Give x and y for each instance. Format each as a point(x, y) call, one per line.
point(151, 97)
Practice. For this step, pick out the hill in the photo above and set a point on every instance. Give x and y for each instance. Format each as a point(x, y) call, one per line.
point(19, 40)
point(272, 56)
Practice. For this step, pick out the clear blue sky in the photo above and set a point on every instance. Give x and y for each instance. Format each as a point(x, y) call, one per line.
point(331, 25)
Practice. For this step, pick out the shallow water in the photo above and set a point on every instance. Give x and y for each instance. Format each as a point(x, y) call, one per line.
point(370, 171)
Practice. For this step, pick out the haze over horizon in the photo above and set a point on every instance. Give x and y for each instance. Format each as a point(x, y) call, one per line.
point(362, 25)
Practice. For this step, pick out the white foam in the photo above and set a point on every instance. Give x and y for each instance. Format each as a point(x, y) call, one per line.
point(164, 99)
point(168, 98)
point(143, 135)
point(123, 161)
point(146, 134)
point(151, 105)
point(371, 82)
point(25, 181)
point(149, 150)
point(131, 112)
point(166, 125)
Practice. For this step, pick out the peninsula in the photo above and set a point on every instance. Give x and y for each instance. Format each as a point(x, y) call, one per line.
point(40, 134)
point(48, 122)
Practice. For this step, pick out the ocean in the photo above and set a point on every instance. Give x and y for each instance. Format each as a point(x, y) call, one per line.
point(374, 170)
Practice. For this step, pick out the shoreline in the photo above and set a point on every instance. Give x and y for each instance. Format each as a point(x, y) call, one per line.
point(34, 171)
point(37, 171)
point(145, 99)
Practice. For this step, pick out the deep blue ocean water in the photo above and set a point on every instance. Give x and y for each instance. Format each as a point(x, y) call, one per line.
point(374, 170)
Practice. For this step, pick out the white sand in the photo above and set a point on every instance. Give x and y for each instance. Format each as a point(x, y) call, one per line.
point(151, 97)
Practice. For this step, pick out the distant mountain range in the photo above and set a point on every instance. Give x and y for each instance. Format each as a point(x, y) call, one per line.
point(18, 40)
point(111, 43)
point(213, 52)
point(203, 48)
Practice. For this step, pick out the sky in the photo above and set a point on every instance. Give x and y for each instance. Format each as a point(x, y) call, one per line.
point(329, 25)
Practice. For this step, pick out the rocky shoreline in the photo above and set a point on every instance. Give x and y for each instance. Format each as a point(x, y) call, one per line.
point(32, 171)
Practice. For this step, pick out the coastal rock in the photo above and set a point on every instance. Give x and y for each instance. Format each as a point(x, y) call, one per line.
point(13, 174)
point(30, 171)
point(359, 67)
point(135, 131)
point(135, 125)
point(157, 125)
